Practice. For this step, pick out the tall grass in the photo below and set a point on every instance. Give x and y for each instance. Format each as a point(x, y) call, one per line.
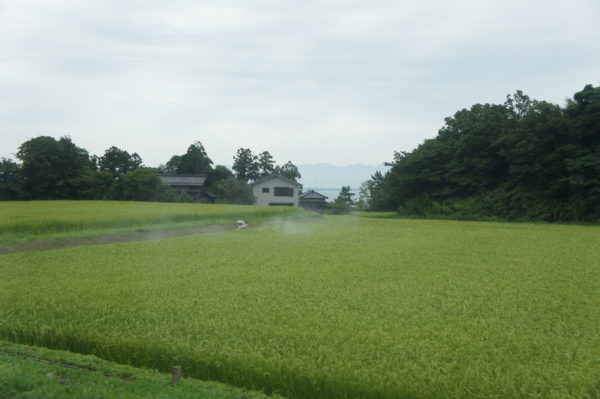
point(352, 308)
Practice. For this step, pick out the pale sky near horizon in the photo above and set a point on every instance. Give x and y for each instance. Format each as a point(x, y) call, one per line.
point(338, 81)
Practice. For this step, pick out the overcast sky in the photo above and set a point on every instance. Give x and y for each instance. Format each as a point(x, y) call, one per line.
point(338, 81)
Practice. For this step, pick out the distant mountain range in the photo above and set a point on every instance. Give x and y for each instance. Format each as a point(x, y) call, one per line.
point(324, 175)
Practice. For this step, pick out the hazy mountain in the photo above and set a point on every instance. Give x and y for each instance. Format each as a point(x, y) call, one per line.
point(324, 175)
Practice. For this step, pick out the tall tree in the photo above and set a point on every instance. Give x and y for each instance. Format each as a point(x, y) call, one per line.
point(372, 194)
point(266, 164)
point(346, 195)
point(246, 165)
point(195, 160)
point(288, 170)
point(343, 203)
point(117, 162)
point(53, 169)
point(10, 180)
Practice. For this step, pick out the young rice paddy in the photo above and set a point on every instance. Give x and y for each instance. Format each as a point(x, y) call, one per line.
point(343, 308)
point(33, 220)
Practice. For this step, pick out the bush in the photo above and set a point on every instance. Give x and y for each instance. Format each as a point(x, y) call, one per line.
point(340, 207)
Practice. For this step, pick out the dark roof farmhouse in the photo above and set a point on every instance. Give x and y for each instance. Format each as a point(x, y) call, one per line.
point(192, 185)
point(312, 200)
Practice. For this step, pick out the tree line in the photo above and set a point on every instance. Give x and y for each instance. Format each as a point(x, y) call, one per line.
point(50, 168)
point(521, 160)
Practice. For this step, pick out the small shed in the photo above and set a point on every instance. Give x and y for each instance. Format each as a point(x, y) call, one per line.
point(192, 185)
point(313, 201)
point(276, 190)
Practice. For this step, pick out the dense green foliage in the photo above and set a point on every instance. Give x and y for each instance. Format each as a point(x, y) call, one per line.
point(288, 170)
point(351, 307)
point(58, 169)
point(246, 165)
point(118, 162)
point(36, 373)
point(249, 167)
point(343, 203)
point(234, 191)
point(54, 169)
point(524, 159)
point(141, 184)
point(194, 161)
point(24, 221)
point(9, 180)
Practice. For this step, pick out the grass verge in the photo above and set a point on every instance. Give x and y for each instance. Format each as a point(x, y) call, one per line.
point(32, 372)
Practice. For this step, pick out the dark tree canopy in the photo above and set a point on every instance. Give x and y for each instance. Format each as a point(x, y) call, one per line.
point(234, 191)
point(143, 184)
point(195, 160)
point(524, 159)
point(54, 169)
point(249, 167)
point(246, 165)
point(266, 164)
point(172, 166)
point(118, 162)
point(219, 173)
point(10, 180)
point(288, 170)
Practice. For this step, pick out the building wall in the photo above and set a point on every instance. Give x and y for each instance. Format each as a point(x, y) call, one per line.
point(269, 198)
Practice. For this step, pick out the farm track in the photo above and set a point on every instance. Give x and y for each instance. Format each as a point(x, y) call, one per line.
point(44, 245)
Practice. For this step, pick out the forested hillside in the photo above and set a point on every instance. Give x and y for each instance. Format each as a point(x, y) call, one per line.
point(521, 160)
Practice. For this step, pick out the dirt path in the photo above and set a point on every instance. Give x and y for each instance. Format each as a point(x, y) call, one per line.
point(43, 245)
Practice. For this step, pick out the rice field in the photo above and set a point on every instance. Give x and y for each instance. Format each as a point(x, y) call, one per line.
point(346, 308)
point(29, 220)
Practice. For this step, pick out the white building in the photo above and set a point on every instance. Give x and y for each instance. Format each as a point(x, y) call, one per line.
point(276, 190)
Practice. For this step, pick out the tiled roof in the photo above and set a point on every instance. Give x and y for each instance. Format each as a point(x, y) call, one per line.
point(312, 194)
point(291, 181)
point(183, 180)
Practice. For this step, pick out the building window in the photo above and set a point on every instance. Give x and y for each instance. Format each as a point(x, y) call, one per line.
point(265, 189)
point(283, 192)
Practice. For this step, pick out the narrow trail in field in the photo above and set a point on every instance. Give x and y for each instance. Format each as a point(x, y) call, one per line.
point(43, 245)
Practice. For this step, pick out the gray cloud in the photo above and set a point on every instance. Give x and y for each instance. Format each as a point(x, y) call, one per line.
point(315, 81)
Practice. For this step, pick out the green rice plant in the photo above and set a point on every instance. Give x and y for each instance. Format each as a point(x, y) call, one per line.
point(27, 220)
point(377, 214)
point(347, 308)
